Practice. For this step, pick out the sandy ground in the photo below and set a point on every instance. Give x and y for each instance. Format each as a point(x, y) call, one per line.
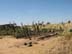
point(16, 46)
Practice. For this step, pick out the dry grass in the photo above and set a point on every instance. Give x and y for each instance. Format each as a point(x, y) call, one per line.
point(55, 45)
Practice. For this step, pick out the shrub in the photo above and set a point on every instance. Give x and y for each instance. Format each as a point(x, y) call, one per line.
point(70, 30)
point(19, 35)
point(69, 21)
point(44, 30)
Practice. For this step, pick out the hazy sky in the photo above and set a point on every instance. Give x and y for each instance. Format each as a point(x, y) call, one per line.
point(26, 11)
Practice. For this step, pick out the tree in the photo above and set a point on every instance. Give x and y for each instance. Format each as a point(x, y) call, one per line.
point(48, 23)
point(69, 21)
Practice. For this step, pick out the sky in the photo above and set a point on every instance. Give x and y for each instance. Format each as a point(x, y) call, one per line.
point(27, 11)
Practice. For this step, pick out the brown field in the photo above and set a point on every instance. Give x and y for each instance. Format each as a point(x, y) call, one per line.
point(54, 45)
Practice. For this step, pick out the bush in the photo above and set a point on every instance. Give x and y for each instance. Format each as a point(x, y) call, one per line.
point(70, 30)
point(23, 32)
point(19, 35)
point(44, 30)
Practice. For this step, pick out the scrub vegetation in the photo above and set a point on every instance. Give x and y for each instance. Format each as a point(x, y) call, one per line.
point(38, 38)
